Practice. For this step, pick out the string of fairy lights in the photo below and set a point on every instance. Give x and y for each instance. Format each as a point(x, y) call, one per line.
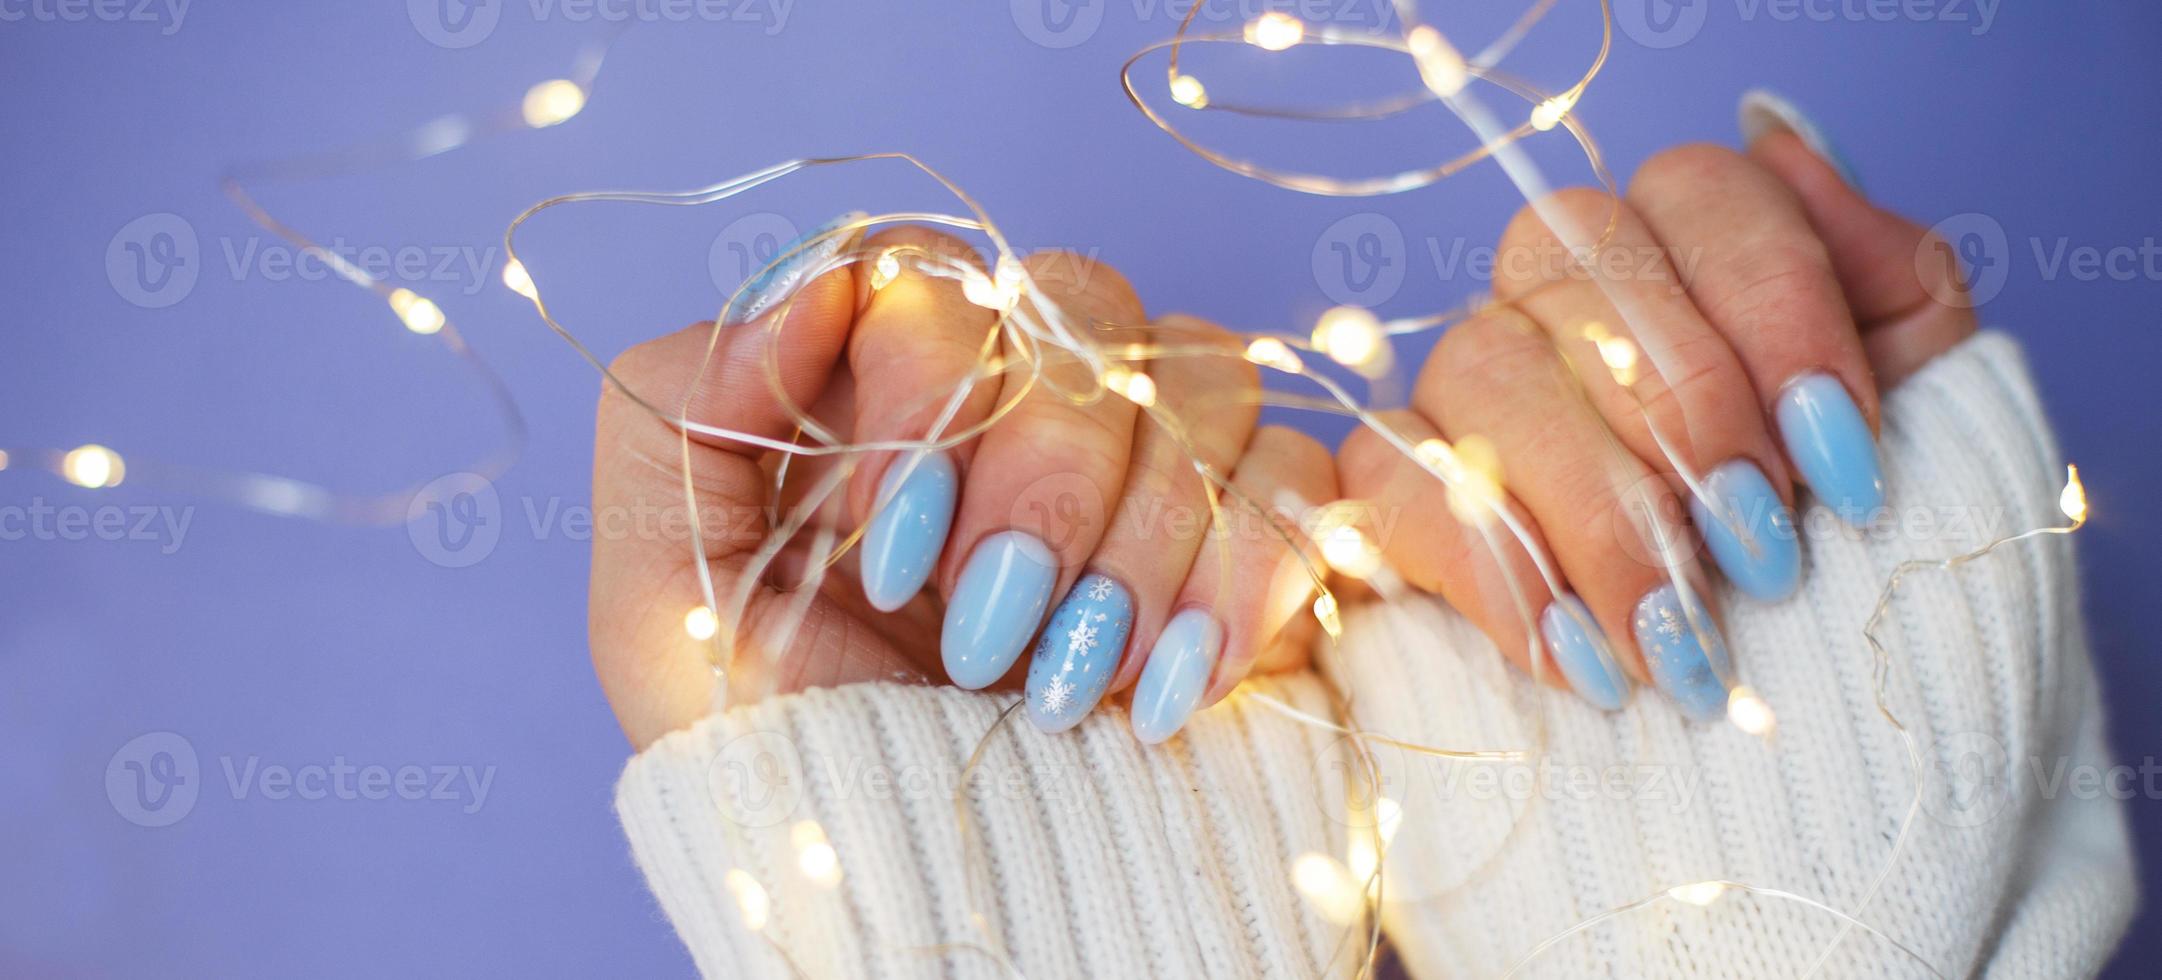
point(1037, 342)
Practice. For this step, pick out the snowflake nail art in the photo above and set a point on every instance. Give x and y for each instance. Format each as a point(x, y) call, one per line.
point(1077, 652)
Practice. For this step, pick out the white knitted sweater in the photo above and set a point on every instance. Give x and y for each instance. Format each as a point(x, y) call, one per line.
point(1094, 856)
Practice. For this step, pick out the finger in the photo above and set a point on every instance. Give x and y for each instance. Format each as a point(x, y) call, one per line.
point(1478, 565)
point(917, 353)
point(1902, 281)
point(1252, 580)
point(1762, 279)
point(1614, 525)
point(1205, 408)
point(1038, 492)
point(643, 579)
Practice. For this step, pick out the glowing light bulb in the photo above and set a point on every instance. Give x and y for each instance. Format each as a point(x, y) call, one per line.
point(1699, 894)
point(1273, 353)
point(998, 292)
point(1620, 355)
point(886, 269)
point(1441, 67)
point(552, 102)
point(517, 280)
point(1133, 385)
point(2073, 501)
point(1325, 610)
point(1750, 712)
point(93, 467)
point(1275, 31)
point(701, 623)
point(1347, 550)
point(1546, 115)
point(420, 313)
point(815, 856)
point(750, 898)
point(1329, 886)
point(1351, 335)
point(1188, 91)
point(1472, 471)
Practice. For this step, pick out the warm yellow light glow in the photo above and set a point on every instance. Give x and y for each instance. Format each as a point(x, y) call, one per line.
point(1700, 894)
point(1441, 67)
point(999, 292)
point(1365, 854)
point(3, 459)
point(1329, 886)
point(1546, 115)
point(420, 313)
point(750, 898)
point(1273, 353)
point(1347, 550)
point(1351, 335)
point(886, 269)
point(815, 856)
point(2073, 501)
point(1472, 471)
point(1620, 355)
point(1133, 385)
point(553, 101)
point(701, 623)
point(1325, 611)
point(1750, 712)
point(517, 280)
point(1188, 91)
point(92, 467)
point(1275, 31)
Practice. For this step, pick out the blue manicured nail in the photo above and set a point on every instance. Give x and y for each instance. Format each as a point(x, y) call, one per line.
point(996, 606)
point(774, 284)
point(1079, 652)
point(1831, 444)
point(1177, 675)
point(1577, 645)
point(908, 530)
point(1764, 112)
point(1750, 531)
point(1687, 657)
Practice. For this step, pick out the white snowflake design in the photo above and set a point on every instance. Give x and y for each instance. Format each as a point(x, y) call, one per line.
point(1100, 589)
point(1670, 625)
point(1057, 696)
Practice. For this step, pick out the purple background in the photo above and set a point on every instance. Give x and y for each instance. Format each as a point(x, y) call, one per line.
point(298, 643)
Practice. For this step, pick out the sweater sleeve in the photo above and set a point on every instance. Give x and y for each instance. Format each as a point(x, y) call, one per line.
point(1088, 854)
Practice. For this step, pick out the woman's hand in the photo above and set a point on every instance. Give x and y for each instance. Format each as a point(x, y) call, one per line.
point(1780, 299)
point(1088, 514)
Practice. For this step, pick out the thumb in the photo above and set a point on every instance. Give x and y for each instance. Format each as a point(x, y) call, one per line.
point(750, 378)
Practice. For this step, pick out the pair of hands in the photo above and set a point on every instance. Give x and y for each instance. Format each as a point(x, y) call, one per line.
point(1781, 299)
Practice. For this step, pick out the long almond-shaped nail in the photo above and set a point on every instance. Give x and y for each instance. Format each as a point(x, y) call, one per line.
point(1830, 443)
point(1079, 652)
point(996, 607)
point(1749, 530)
point(1581, 651)
point(1764, 112)
point(1177, 674)
point(902, 542)
point(1686, 654)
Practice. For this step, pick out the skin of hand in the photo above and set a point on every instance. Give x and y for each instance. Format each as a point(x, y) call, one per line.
point(1086, 516)
point(1784, 301)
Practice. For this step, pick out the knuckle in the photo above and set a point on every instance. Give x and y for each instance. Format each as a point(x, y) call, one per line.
point(1691, 164)
point(1480, 359)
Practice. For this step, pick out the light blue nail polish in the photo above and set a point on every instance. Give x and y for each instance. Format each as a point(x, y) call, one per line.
point(771, 285)
point(1764, 112)
point(1580, 649)
point(996, 607)
point(1831, 444)
point(1079, 652)
point(1686, 654)
point(1177, 674)
point(902, 542)
point(1750, 531)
